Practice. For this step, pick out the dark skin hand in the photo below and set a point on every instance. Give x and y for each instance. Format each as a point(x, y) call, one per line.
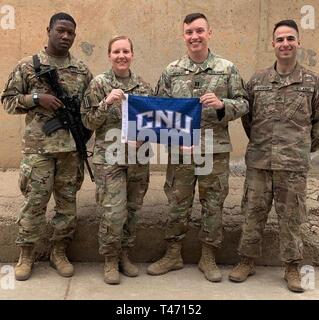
point(49, 102)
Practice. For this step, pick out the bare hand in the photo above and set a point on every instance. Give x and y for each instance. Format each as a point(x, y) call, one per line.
point(49, 102)
point(210, 100)
point(115, 95)
point(186, 150)
point(135, 144)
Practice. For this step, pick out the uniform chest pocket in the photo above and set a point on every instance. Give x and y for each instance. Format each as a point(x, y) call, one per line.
point(74, 80)
point(182, 86)
point(218, 84)
point(298, 108)
point(264, 102)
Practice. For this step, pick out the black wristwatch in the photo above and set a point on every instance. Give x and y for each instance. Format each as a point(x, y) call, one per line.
point(35, 99)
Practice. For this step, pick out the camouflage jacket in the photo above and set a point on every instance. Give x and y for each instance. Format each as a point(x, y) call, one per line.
point(74, 76)
point(283, 122)
point(184, 79)
point(96, 115)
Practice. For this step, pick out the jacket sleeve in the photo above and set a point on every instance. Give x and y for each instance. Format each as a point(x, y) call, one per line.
point(16, 96)
point(163, 88)
point(247, 118)
point(315, 120)
point(236, 103)
point(93, 108)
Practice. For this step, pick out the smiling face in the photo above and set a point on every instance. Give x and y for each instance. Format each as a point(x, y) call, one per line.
point(286, 42)
point(196, 36)
point(121, 56)
point(61, 37)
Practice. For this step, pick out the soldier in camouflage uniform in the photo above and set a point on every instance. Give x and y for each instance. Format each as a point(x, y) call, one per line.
point(217, 83)
point(120, 187)
point(50, 163)
point(283, 128)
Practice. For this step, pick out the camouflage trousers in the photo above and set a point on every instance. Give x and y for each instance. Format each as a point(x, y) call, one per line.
point(40, 175)
point(213, 189)
point(288, 189)
point(120, 190)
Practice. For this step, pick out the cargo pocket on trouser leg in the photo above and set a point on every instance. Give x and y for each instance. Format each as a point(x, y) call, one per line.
point(24, 177)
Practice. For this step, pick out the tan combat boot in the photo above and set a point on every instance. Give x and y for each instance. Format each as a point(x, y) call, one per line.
point(243, 270)
point(208, 265)
point(292, 277)
point(172, 260)
point(59, 260)
point(127, 267)
point(111, 270)
point(24, 266)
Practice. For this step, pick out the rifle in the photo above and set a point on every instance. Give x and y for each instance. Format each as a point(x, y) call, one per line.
point(68, 116)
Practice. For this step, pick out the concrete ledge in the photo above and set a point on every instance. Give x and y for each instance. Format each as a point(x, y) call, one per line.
point(150, 244)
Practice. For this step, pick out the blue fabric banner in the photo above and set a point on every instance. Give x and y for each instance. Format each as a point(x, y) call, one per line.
point(171, 121)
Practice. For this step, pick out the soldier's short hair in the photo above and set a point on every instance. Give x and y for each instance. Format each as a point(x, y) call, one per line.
point(194, 16)
point(287, 23)
point(109, 48)
point(61, 16)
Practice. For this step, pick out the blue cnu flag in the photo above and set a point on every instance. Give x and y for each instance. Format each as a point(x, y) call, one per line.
point(170, 121)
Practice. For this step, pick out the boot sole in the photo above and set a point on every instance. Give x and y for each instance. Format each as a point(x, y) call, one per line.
point(219, 279)
point(172, 269)
point(112, 282)
point(294, 289)
point(240, 280)
point(23, 278)
point(131, 275)
point(61, 274)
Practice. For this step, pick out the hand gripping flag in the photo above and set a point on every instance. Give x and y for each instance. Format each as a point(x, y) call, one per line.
point(171, 121)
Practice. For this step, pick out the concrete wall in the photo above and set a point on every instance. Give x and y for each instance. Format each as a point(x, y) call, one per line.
point(242, 33)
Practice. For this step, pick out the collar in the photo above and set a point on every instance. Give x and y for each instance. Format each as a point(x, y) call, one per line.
point(119, 85)
point(188, 64)
point(47, 60)
point(294, 77)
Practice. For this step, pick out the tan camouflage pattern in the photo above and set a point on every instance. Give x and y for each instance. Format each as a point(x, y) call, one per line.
point(288, 190)
point(50, 164)
point(38, 179)
point(213, 189)
point(283, 122)
point(96, 116)
point(74, 77)
point(120, 191)
point(185, 79)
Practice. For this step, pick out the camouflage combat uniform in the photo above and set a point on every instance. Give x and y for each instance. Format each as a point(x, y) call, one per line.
point(283, 129)
point(120, 188)
point(50, 163)
point(184, 78)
